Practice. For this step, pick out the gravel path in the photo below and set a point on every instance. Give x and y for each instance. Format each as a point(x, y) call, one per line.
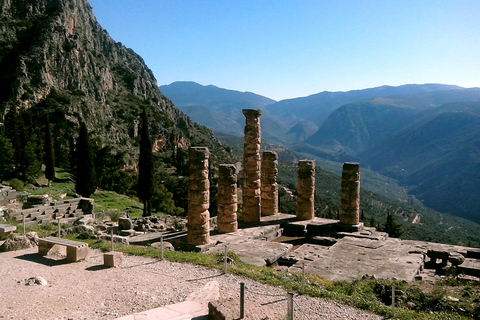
point(87, 290)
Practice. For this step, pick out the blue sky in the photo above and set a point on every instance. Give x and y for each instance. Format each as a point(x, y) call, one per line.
point(288, 49)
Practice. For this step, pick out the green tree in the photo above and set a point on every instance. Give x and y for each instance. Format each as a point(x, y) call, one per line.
point(145, 167)
point(85, 175)
point(28, 164)
point(162, 201)
point(391, 227)
point(107, 166)
point(6, 157)
point(49, 158)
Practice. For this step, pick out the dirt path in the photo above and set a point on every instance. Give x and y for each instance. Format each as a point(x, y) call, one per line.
point(87, 290)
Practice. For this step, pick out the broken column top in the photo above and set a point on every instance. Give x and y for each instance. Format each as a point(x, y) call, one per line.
point(306, 164)
point(351, 165)
point(252, 112)
point(351, 171)
point(227, 169)
point(270, 155)
point(199, 152)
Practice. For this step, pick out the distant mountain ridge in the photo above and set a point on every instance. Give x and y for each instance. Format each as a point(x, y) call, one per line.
point(317, 107)
point(425, 136)
point(220, 109)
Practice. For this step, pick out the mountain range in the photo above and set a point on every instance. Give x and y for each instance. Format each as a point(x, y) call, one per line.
point(427, 136)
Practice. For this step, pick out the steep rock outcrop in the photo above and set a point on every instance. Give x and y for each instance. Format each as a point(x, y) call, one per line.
point(56, 49)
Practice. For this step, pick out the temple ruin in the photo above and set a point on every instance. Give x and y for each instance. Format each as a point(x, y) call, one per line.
point(251, 166)
point(227, 198)
point(198, 197)
point(350, 194)
point(306, 190)
point(269, 186)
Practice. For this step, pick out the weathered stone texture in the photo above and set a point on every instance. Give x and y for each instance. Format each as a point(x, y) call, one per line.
point(251, 166)
point(306, 190)
point(227, 199)
point(269, 186)
point(198, 197)
point(350, 198)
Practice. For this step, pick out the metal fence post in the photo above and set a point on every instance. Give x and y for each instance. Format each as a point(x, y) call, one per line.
point(290, 306)
point(226, 257)
point(111, 238)
point(303, 277)
point(161, 243)
point(242, 300)
point(23, 214)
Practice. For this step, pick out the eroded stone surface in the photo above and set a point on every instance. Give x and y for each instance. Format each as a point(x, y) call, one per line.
point(198, 230)
point(350, 194)
point(352, 258)
point(227, 199)
point(306, 190)
point(269, 186)
point(251, 166)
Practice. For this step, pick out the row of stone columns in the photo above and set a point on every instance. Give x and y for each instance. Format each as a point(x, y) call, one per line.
point(260, 188)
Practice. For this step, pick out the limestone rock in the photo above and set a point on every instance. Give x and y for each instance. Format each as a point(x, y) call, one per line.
point(167, 246)
point(125, 223)
point(20, 242)
point(36, 281)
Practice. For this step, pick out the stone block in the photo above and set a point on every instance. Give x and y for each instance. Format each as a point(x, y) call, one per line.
point(112, 259)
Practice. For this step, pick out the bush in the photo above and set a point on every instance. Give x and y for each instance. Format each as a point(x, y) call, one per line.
point(114, 215)
point(17, 184)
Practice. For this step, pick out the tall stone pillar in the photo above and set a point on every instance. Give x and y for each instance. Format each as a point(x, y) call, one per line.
point(251, 166)
point(227, 198)
point(350, 199)
point(269, 186)
point(198, 231)
point(306, 190)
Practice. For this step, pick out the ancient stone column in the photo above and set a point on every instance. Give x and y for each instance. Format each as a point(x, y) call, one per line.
point(198, 231)
point(227, 198)
point(350, 198)
point(306, 190)
point(269, 186)
point(251, 166)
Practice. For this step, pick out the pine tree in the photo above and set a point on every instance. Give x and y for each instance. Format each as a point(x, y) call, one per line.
point(6, 157)
point(85, 180)
point(391, 227)
point(49, 158)
point(145, 167)
point(28, 164)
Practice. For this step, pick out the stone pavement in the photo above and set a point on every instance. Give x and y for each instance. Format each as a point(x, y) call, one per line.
point(334, 252)
point(194, 307)
point(351, 258)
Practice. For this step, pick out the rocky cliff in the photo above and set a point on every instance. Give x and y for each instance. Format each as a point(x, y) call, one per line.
point(56, 57)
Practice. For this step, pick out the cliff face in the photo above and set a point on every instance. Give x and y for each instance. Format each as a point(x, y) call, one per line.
point(56, 49)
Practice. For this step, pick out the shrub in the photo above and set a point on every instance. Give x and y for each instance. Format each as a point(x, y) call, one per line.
point(114, 215)
point(17, 184)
